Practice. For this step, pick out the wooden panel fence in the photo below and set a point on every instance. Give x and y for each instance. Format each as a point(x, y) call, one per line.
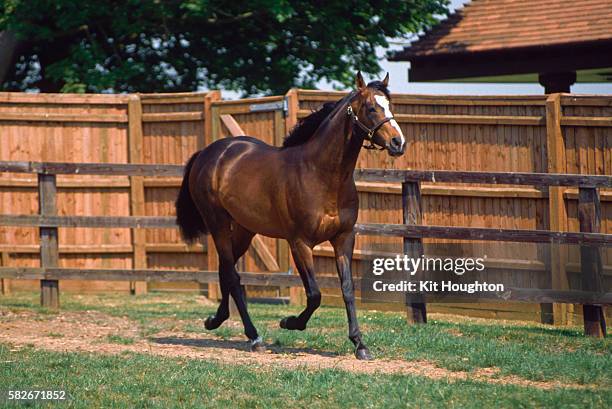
point(559, 133)
point(140, 128)
point(526, 135)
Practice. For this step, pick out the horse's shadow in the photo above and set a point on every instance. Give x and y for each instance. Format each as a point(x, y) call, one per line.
point(235, 345)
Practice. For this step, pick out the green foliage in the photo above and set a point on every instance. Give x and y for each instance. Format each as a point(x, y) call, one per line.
point(177, 45)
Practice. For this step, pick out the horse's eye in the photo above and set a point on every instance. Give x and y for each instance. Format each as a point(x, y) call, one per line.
point(372, 109)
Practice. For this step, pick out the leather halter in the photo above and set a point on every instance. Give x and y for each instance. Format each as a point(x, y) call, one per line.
point(369, 131)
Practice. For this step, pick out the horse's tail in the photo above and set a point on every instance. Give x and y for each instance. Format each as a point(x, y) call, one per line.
point(188, 218)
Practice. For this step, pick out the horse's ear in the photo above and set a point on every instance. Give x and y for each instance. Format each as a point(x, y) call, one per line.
point(386, 80)
point(359, 82)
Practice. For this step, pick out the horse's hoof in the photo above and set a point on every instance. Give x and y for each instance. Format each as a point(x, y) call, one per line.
point(363, 354)
point(292, 323)
point(211, 323)
point(257, 345)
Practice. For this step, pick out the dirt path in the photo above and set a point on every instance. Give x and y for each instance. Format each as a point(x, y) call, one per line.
point(92, 331)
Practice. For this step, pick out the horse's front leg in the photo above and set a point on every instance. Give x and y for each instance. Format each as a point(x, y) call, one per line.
point(302, 255)
point(343, 248)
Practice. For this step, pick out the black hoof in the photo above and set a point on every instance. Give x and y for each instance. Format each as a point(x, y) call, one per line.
point(257, 345)
point(292, 323)
point(212, 323)
point(363, 354)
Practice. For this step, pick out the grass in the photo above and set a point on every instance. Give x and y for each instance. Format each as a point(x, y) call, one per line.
point(133, 380)
point(530, 351)
point(118, 339)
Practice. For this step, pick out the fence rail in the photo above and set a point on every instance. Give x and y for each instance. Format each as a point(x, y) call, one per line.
point(507, 178)
point(378, 229)
point(106, 169)
point(368, 175)
point(281, 280)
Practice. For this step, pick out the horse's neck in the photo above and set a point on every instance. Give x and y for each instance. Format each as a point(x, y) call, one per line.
point(334, 149)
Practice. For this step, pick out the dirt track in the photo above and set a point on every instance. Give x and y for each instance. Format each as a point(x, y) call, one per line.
point(90, 331)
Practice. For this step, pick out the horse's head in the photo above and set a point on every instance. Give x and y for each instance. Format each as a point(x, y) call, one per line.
point(371, 112)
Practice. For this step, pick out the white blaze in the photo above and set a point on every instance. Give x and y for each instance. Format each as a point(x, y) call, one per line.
point(384, 103)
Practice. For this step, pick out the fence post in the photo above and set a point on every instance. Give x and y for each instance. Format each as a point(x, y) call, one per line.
point(49, 254)
point(283, 121)
point(137, 195)
point(555, 148)
point(416, 310)
point(214, 291)
point(589, 216)
point(283, 255)
point(292, 103)
point(296, 294)
point(5, 283)
point(203, 140)
point(207, 137)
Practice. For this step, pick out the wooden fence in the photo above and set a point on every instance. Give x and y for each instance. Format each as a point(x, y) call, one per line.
point(559, 133)
point(412, 232)
point(529, 134)
point(146, 128)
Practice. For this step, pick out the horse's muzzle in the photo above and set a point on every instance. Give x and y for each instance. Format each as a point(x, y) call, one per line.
point(395, 152)
point(396, 147)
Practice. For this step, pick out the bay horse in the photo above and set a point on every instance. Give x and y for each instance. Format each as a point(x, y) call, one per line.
point(303, 192)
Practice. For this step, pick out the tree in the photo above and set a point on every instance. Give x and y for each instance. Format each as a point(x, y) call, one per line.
point(257, 46)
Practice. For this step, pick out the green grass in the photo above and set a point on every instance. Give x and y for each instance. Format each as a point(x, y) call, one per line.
point(532, 352)
point(118, 339)
point(132, 380)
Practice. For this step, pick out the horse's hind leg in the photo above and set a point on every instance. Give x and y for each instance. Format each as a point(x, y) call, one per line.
point(231, 245)
point(241, 239)
point(302, 255)
point(222, 314)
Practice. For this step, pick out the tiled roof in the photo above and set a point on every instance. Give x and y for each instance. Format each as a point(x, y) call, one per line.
point(492, 25)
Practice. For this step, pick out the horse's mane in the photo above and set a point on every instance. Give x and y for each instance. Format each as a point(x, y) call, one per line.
point(307, 126)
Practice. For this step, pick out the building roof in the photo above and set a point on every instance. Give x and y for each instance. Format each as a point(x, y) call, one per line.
point(485, 25)
point(508, 27)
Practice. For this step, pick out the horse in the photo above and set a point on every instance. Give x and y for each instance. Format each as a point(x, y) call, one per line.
point(303, 192)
